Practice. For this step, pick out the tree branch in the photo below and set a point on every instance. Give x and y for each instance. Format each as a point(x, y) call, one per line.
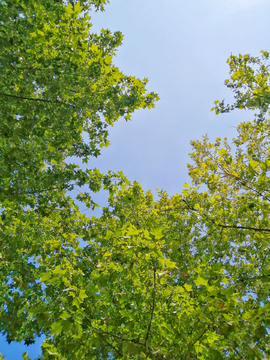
point(152, 309)
point(36, 99)
point(109, 344)
point(245, 185)
point(241, 227)
point(207, 327)
point(228, 226)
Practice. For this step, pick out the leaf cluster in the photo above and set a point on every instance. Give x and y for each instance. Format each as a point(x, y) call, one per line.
point(180, 277)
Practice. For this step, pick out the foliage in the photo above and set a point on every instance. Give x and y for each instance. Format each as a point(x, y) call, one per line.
point(60, 92)
point(234, 214)
point(181, 277)
point(59, 86)
point(250, 74)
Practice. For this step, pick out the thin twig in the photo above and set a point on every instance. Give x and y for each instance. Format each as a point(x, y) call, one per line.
point(241, 227)
point(152, 309)
point(36, 99)
point(207, 327)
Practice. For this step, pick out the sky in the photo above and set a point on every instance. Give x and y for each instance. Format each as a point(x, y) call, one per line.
point(181, 46)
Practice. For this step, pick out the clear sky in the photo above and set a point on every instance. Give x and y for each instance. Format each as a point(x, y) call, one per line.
point(181, 46)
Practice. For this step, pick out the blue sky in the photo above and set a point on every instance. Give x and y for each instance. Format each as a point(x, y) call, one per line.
point(181, 46)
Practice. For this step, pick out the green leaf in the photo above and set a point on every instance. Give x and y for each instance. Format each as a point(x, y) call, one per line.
point(56, 327)
point(132, 231)
point(64, 315)
point(167, 292)
point(201, 282)
point(77, 302)
point(229, 319)
point(69, 9)
point(45, 276)
point(188, 287)
point(247, 315)
point(157, 233)
point(170, 264)
point(82, 295)
point(77, 7)
point(253, 164)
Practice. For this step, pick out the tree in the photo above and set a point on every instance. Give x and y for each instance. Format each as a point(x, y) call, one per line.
point(182, 277)
point(185, 276)
point(58, 87)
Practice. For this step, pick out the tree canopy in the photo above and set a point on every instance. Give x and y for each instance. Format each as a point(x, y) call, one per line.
point(58, 86)
point(181, 277)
